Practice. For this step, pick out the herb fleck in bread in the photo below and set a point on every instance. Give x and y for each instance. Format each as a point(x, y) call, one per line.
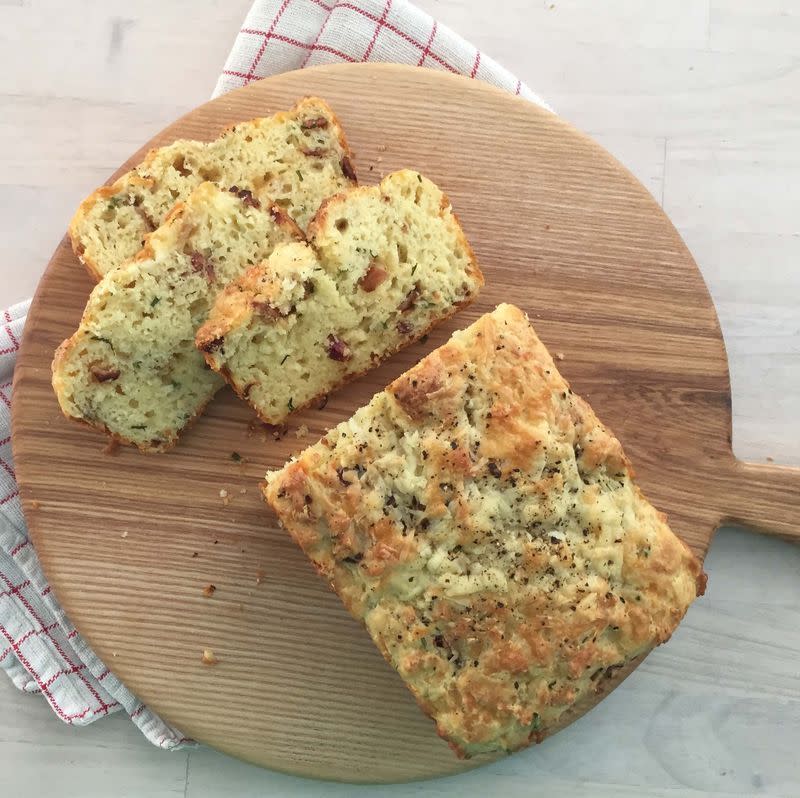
point(488, 531)
point(388, 262)
point(298, 158)
point(131, 368)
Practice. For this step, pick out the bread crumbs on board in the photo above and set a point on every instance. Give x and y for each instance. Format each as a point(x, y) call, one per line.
point(209, 657)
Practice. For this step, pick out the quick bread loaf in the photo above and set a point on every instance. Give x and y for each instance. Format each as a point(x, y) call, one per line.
point(487, 529)
point(385, 263)
point(132, 369)
point(297, 158)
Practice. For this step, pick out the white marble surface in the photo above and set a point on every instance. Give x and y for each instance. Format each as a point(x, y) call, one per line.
point(700, 98)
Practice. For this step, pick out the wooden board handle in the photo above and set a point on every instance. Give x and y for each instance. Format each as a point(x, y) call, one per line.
point(765, 498)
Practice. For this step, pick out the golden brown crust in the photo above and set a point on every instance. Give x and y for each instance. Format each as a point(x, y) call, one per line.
point(486, 528)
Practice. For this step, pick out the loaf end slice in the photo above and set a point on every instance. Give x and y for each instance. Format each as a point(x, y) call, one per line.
point(131, 369)
point(387, 263)
point(297, 157)
point(487, 529)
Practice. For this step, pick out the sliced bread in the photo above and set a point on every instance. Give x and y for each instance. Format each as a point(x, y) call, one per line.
point(298, 158)
point(132, 369)
point(387, 263)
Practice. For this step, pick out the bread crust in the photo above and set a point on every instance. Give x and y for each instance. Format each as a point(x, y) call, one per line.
point(486, 528)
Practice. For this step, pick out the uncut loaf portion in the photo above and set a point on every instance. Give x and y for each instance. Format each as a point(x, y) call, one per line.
point(487, 529)
point(387, 262)
point(297, 157)
point(132, 369)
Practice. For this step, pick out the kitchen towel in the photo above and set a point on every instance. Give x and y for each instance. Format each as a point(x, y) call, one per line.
point(39, 648)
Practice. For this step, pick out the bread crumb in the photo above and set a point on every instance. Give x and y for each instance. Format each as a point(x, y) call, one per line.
point(381, 148)
point(301, 431)
point(113, 653)
point(276, 430)
point(770, 459)
point(242, 490)
point(223, 493)
point(35, 504)
point(209, 657)
point(194, 554)
point(260, 576)
point(559, 355)
point(124, 534)
point(209, 590)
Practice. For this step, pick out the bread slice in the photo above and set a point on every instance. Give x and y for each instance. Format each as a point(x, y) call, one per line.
point(131, 368)
point(297, 157)
point(388, 262)
point(488, 531)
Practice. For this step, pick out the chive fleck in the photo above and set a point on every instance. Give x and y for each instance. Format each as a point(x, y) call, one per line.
point(290, 403)
point(299, 175)
point(154, 301)
point(285, 358)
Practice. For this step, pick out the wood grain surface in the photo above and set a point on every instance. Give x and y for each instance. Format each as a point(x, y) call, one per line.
point(129, 542)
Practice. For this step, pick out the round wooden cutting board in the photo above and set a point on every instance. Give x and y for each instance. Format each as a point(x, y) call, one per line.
point(129, 541)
